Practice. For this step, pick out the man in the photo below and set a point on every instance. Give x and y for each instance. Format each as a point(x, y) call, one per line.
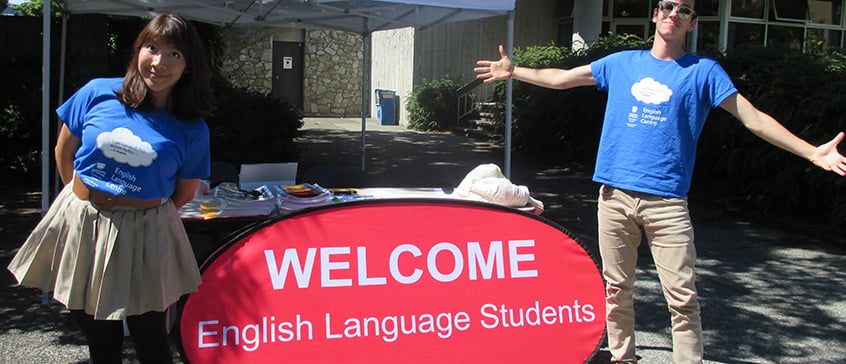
point(657, 105)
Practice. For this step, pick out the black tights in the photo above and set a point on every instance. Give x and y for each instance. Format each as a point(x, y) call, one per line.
point(105, 337)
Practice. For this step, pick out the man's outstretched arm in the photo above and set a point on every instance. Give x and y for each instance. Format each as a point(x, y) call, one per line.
point(554, 78)
point(826, 156)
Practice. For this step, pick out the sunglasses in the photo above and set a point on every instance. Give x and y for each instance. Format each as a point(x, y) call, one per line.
point(685, 12)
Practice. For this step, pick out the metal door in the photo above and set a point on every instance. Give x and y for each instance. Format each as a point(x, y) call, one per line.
point(288, 72)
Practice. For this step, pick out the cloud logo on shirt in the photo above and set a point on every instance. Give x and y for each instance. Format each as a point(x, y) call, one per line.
point(125, 147)
point(651, 92)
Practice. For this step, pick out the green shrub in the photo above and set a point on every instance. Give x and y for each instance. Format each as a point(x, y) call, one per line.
point(20, 116)
point(563, 124)
point(834, 60)
point(20, 157)
point(804, 93)
point(432, 105)
point(251, 127)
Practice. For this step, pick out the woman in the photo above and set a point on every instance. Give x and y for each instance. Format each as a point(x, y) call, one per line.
point(130, 152)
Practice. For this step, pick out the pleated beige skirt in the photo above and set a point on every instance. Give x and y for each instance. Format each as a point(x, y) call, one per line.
point(109, 263)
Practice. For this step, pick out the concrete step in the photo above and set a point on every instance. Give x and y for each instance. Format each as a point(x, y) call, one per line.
point(478, 129)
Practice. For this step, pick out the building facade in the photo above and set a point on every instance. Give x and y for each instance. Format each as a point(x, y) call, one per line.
point(724, 25)
point(451, 49)
point(330, 82)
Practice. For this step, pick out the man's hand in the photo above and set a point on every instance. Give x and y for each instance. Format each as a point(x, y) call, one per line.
point(827, 157)
point(495, 70)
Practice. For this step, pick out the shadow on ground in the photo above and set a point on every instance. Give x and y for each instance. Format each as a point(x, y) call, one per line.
point(768, 295)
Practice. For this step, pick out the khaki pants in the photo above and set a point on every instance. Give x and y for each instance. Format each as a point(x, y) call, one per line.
point(623, 217)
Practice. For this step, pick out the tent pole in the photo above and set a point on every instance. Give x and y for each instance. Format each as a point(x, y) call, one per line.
point(45, 109)
point(57, 182)
point(365, 87)
point(62, 59)
point(508, 96)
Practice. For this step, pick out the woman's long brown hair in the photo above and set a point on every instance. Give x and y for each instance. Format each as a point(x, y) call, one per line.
point(191, 97)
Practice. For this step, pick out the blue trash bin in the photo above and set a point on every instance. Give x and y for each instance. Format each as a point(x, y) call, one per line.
point(386, 107)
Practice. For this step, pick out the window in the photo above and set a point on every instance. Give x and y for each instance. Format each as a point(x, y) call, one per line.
point(800, 25)
point(826, 11)
point(819, 40)
point(565, 34)
point(564, 19)
point(740, 35)
point(748, 8)
point(791, 10)
point(707, 7)
point(709, 35)
point(632, 29)
point(790, 37)
point(564, 8)
point(632, 9)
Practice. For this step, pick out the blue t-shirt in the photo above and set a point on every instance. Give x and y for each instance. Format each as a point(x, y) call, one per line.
point(655, 113)
point(138, 154)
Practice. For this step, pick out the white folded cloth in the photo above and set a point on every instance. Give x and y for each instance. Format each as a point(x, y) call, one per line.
point(487, 183)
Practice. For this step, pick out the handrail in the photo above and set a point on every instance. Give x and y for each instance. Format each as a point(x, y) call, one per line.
point(469, 87)
point(466, 106)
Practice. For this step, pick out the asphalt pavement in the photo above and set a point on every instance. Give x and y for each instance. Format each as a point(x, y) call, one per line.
point(769, 294)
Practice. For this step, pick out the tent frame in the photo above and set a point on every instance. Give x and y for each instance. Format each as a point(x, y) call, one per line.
point(410, 8)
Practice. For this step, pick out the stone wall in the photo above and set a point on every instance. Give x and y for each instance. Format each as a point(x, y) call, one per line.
point(248, 58)
point(333, 73)
point(332, 84)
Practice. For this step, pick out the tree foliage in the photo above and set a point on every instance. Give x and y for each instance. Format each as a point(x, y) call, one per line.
point(36, 8)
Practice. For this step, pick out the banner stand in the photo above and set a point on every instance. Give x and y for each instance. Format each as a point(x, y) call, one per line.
point(397, 280)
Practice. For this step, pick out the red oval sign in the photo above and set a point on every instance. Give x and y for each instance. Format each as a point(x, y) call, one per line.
point(389, 281)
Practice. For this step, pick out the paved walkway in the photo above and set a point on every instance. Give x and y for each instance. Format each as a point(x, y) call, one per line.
point(768, 296)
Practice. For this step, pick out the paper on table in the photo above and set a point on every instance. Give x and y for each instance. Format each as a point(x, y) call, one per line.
point(255, 175)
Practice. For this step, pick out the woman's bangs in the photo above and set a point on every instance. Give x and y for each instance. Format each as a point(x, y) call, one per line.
point(168, 33)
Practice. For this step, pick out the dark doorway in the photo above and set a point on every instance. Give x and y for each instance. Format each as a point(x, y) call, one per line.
point(288, 72)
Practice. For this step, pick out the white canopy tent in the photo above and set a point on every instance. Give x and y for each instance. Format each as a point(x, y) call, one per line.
point(357, 16)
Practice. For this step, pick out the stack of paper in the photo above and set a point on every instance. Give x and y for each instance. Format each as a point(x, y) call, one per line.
point(295, 197)
point(238, 202)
